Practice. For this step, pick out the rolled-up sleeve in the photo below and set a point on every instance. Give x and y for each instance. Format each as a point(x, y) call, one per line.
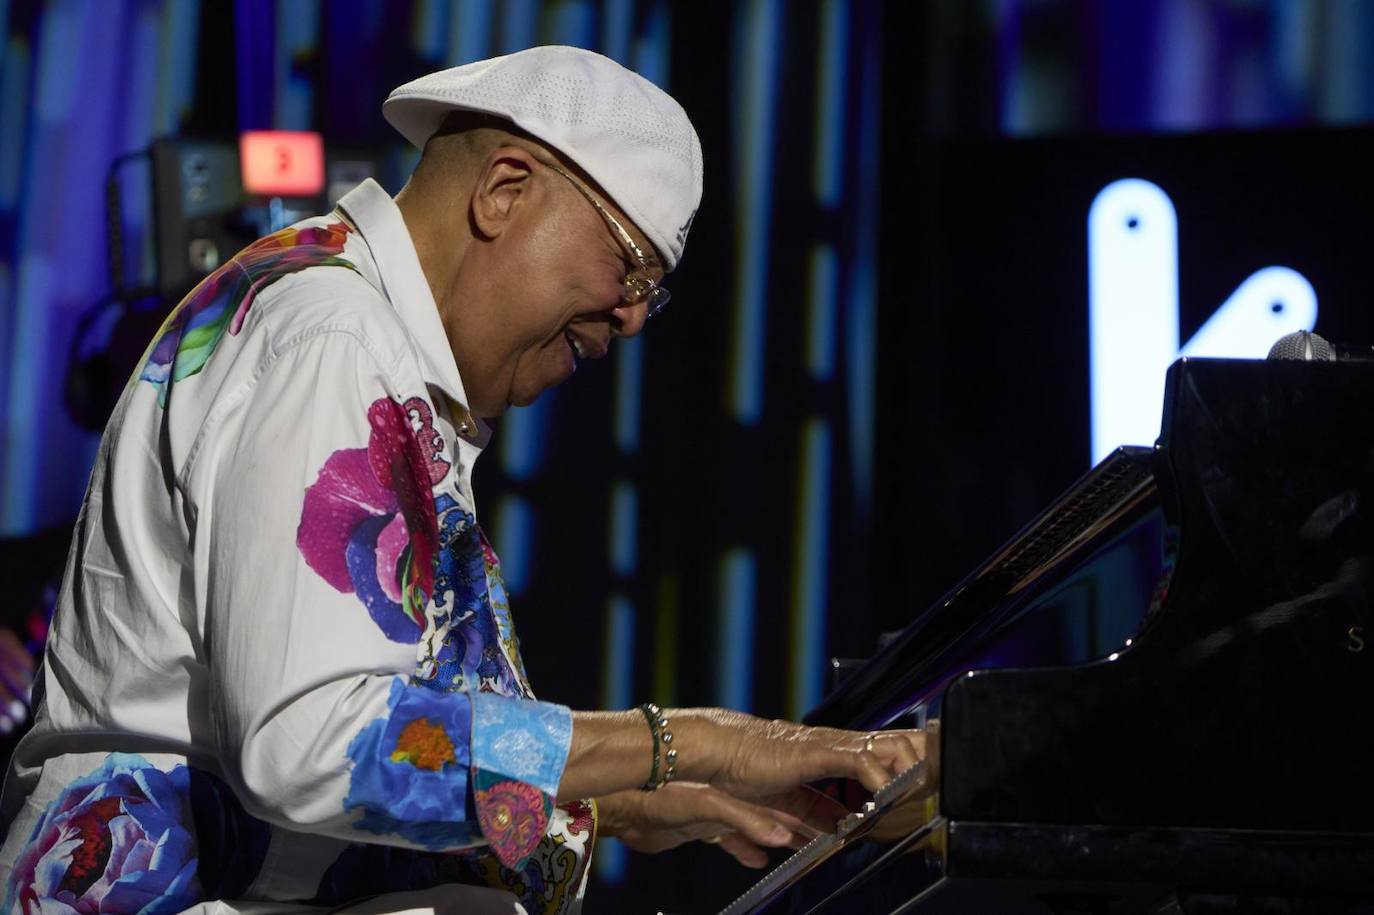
point(345, 618)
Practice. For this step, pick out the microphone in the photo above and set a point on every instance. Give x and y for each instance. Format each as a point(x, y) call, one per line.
point(1303, 346)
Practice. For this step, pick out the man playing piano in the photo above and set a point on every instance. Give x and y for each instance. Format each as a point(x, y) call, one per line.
point(283, 673)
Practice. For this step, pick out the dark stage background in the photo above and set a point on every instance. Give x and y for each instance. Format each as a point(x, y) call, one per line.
point(990, 360)
point(875, 367)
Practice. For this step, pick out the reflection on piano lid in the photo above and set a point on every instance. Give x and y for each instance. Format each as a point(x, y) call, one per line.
point(1043, 586)
point(1155, 698)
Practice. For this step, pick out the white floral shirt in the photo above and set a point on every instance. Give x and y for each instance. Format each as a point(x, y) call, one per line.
point(283, 667)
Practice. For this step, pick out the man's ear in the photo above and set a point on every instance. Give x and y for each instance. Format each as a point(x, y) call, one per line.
point(502, 185)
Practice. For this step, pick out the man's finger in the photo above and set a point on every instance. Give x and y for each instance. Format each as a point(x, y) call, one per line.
point(866, 768)
point(898, 750)
point(758, 824)
point(743, 851)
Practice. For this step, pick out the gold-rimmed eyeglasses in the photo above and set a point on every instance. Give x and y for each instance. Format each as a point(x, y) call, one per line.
point(639, 287)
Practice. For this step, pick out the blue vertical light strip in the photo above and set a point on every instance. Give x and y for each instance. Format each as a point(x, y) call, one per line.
point(469, 36)
point(821, 311)
point(138, 98)
point(617, 677)
point(174, 93)
point(650, 58)
point(14, 137)
point(1016, 89)
point(524, 437)
point(7, 297)
point(11, 130)
point(1183, 79)
point(297, 35)
point(1293, 51)
point(617, 692)
point(810, 571)
point(629, 383)
point(78, 71)
point(827, 182)
point(828, 162)
point(573, 22)
point(861, 319)
point(735, 632)
point(611, 860)
point(146, 80)
point(429, 28)
point(1348, 50)
point(617, 28)
point(254, 63)
point(514, 541)
point(624, 528)
point(519, 24)
point(59, 34)
point(177, 64)
point(141, 93)
point(23, 444)
point(14, 98)
point(757, 41)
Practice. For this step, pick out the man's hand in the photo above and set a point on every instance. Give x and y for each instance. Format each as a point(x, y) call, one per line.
point(682, 812)
point(16, 674)
point(750, 757)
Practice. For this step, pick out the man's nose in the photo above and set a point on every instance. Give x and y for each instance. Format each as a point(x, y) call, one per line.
point(630, 318)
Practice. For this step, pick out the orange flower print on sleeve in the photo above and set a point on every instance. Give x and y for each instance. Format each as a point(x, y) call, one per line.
point(425, 745)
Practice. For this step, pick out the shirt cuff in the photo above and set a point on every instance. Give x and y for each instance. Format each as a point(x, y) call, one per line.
point(518, 748)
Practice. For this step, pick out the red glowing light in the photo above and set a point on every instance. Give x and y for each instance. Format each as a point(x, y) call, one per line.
point(282, 163)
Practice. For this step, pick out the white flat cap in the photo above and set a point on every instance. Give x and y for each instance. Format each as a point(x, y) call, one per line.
point(622, 130)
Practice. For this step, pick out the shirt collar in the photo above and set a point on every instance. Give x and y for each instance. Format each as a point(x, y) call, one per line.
point(382, 227)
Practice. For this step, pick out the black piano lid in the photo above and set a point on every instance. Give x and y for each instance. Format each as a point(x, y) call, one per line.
point(1246, 701)
point(954, 634)
point(1222, 760)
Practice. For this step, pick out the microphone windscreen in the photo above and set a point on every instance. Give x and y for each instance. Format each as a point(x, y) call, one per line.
point(1304, 346)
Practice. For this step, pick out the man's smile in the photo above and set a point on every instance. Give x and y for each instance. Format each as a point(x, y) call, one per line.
point(585, 344)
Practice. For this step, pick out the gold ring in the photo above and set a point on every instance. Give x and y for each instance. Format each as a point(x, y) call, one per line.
point(868, 742)
point(713, 840)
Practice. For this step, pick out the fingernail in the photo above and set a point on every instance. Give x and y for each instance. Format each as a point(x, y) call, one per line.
point(779, 834)
point(18, 710)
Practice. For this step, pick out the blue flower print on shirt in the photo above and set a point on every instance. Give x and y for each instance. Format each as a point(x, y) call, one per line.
point(411, 769)
point(129, 837)
point(465, 651)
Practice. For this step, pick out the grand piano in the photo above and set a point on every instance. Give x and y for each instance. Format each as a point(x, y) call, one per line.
point(1158, 697)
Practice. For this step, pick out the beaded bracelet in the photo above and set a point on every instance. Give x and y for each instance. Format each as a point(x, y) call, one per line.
point(663, 740)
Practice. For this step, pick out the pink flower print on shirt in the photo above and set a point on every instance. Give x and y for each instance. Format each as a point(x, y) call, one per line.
point(514, 816)
point(368, 524)
point(421, 418)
